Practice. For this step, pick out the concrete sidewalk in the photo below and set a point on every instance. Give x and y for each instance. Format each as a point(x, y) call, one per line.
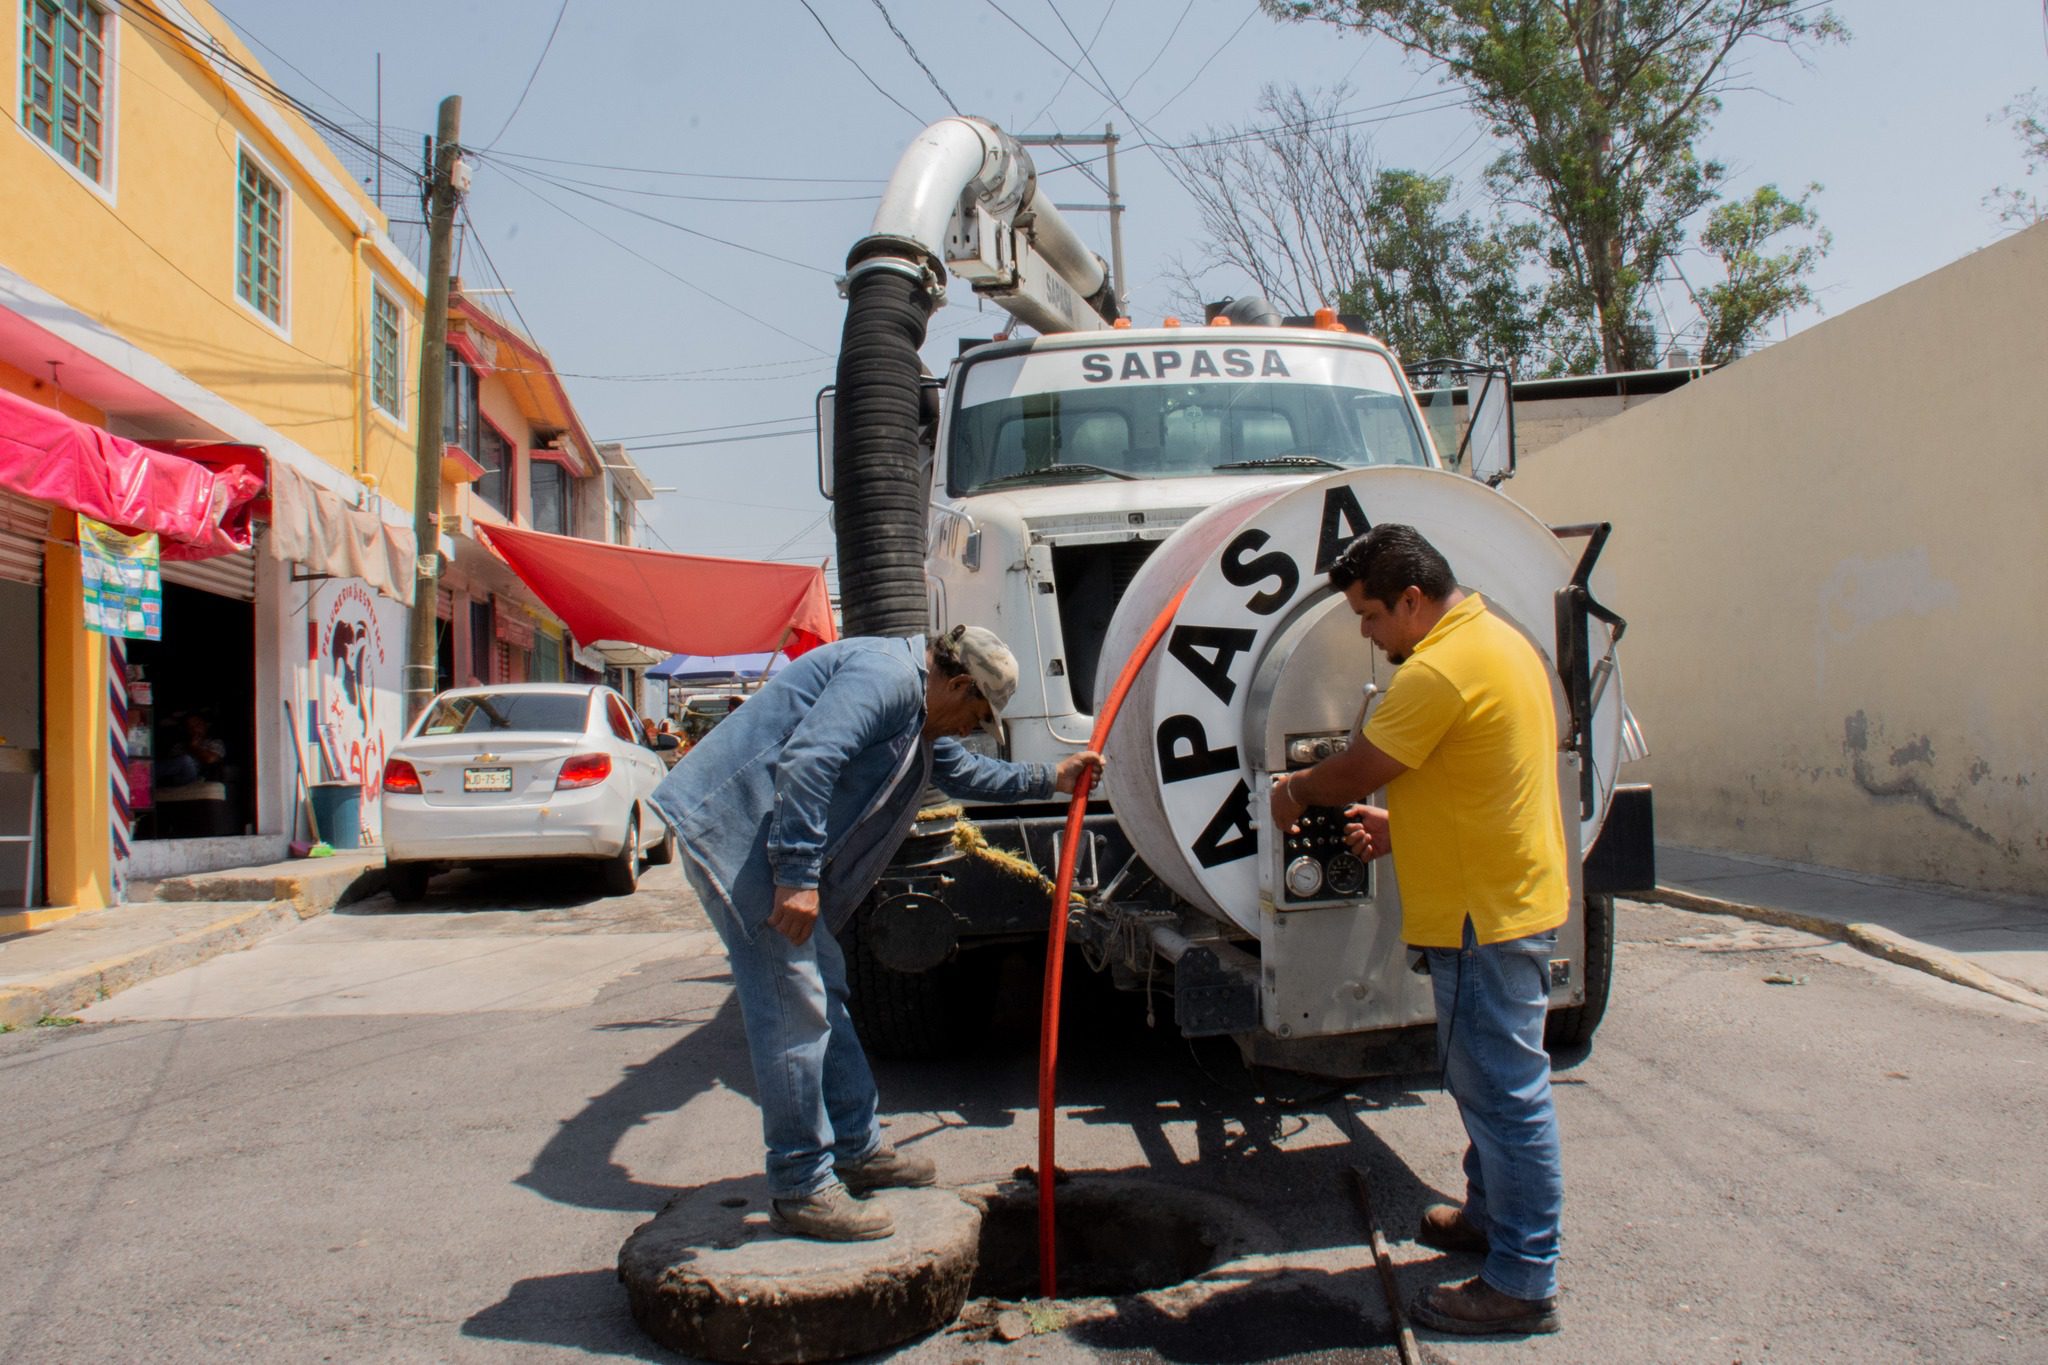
point(1977, 939)
point(48, 974)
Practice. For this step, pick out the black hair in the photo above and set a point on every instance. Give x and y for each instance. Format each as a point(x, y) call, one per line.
point(1389, 559)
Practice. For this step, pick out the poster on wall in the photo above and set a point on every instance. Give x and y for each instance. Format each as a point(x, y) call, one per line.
point(123, 593)
point(355, 709)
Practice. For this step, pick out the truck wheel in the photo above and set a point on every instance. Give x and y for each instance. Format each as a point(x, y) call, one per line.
point(899, 1015)
point(1574, 1027)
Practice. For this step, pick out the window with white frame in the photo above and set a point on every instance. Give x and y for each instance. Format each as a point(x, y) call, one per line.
point(387, 354)
point(259, 240)
point(64, 79)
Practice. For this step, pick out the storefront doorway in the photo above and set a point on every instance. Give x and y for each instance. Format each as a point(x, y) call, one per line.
point(192, 699)
point(21, 745)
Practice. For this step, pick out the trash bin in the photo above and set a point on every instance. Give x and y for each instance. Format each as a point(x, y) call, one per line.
point(338, 807)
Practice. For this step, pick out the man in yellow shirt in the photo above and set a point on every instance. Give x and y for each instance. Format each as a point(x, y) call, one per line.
point(1465, 742)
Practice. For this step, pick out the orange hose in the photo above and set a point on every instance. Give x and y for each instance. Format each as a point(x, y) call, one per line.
point(1056, 948)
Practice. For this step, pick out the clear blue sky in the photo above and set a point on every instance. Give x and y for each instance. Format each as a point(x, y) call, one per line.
point(1893, 124)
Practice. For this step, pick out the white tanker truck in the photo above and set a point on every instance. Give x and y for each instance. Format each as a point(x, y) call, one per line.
point(1060, 490)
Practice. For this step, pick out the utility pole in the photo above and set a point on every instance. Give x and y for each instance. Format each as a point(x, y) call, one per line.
point(442, 196)
point(1114, 208)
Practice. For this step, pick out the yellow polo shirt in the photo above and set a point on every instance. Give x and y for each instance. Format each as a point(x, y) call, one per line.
point(1475, 821)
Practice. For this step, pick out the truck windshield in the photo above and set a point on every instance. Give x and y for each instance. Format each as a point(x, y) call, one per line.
point(1157, 412)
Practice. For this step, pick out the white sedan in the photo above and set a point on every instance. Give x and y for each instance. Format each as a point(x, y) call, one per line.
point(522, 771)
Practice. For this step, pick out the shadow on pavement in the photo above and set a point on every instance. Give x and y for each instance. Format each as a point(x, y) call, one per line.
point(512, 886)
point(583, 1310)
point(1285, 1315)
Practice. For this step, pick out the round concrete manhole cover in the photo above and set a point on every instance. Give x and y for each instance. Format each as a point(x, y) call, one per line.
point(710, 1277)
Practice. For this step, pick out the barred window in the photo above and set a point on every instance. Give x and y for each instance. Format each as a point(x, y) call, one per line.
point(259, 241)
point(386, 354)
point(63, 79)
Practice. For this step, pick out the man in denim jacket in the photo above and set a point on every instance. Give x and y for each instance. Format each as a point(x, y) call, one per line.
point(789, 811)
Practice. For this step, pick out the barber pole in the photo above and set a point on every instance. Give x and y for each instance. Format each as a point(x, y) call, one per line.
point(123, 815)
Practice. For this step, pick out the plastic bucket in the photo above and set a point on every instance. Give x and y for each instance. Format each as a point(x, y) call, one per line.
point(338, 807)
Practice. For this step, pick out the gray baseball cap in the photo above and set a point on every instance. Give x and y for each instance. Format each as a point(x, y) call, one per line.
point(989, 662)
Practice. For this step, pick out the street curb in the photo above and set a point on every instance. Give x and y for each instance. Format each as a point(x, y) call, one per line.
point(61, 993)
point(1874, 939)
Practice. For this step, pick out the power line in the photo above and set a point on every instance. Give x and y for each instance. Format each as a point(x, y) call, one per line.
point(1199, 70)
point(1093, 38)
point(727, 440)
point(691, 175)
point(665, 222)
point(857, 66)
point(950, 103)
point(694, 431)
point(538, 63)
point(709, 198)
point(692, 285)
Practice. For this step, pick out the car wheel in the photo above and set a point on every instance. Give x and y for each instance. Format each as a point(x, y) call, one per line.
point(622, 873)
point(663, 853)
point(406, 881)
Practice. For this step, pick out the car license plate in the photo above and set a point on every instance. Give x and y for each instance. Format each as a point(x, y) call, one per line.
point(487, 779)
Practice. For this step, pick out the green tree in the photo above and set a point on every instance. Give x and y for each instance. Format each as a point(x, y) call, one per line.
point(2028, 116)
point(1757, 286)
point(1301, 207)
point(1601, 105)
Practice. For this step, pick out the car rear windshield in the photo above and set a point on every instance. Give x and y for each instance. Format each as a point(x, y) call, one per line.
point(480, 712)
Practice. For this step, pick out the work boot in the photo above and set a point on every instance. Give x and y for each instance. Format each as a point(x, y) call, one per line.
point(1445, 1227)
point(888, 1169)
point(1476, 1309)
point(832, 1215)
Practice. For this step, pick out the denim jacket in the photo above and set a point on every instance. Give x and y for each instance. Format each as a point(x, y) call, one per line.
point(815, 781)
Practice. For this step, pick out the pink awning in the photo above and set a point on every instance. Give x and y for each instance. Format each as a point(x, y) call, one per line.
point(198, 509)
point(681, 604)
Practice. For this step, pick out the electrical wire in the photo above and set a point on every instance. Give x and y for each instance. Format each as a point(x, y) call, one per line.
point(1092, 40)
point(538, 63)
point(692, 285)
point(1200, 69)
point(690, 175)
point(891, 22)
point(727, 440)
point(857, 66)
point(568, 188)
point(709, 198)
point(694, 431)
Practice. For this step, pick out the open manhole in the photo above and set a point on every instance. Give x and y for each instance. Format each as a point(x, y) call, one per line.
point(1113, 1238)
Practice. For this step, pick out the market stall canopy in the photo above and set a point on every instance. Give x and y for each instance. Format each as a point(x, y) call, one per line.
point(197, 509)
point(717, 668)
point(313, 526)
point(687, 604)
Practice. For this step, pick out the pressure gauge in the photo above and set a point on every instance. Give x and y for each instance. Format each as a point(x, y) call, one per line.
point(1347, 874)
point(1304, 877)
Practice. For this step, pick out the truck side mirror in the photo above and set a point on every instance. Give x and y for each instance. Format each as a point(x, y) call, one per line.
point(827, 401)
point(1488, 453)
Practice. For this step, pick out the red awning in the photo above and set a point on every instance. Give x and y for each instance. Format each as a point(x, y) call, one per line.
point(682, 604)
point(198, 509)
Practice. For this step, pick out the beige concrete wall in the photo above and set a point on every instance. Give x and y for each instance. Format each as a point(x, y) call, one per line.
point(1833, 556)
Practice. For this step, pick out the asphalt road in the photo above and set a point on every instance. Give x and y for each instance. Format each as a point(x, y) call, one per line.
point(420, 1133)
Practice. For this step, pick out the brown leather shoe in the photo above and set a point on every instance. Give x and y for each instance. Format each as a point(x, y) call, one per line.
point(1444, 1227)
point(1476, 1309)
point(888, 1169)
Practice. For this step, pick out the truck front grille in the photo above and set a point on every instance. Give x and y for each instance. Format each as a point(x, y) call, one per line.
point(1091, 580)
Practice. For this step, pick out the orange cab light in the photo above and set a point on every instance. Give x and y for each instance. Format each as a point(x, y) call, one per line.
point(1170, 322)
point(1220, 321)
point(1121, 324)
point(401, 776)
point(583, 770)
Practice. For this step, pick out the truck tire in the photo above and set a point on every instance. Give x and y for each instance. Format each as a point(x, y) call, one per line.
point(1575, 1026)
point(906, 1016)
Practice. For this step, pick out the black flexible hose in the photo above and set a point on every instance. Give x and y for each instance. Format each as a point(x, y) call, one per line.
point(879, 499)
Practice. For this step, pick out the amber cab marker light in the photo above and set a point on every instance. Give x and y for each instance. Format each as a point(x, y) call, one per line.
point(583, 770)
point(400, 776)
point(1170, 322)
point(1121, 324)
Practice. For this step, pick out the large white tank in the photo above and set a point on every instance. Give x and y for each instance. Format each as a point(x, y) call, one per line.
point(1261, 647)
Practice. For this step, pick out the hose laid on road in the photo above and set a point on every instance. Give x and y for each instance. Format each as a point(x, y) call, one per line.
point(1056, 949)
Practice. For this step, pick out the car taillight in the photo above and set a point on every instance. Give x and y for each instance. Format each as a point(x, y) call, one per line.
point(584, 770)
point(401, 776)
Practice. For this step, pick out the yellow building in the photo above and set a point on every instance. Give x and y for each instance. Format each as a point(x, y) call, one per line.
point(185, 258)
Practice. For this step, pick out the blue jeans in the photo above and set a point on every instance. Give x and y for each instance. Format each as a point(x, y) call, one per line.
point(1490, 1003)
point(811, 1078)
